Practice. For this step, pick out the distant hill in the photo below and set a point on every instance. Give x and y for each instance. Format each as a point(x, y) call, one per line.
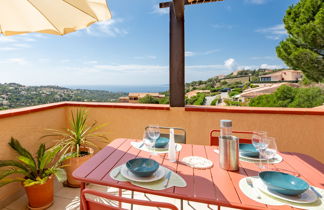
point(13, 95)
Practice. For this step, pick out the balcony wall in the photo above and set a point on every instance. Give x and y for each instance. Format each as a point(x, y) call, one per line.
point(297, 130)
point(26, 125)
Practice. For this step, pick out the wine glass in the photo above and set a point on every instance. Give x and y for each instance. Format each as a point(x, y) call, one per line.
point(259, 143)
point(271, 150)
point(153, 132)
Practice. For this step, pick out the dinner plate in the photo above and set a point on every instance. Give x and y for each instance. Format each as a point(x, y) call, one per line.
point(306, 197)
point(159, 174)
point(251, 158)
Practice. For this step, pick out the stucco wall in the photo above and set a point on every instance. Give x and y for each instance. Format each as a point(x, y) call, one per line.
point(27, 128)
point(297, 130)
point(294, 132)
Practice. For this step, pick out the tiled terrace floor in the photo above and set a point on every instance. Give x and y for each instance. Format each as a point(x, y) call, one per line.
point(68, 199)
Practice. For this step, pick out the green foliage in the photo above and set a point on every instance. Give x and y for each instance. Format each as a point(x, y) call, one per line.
point(217, 100)
point(286, 96)
point(148, 99)
point(229, 102)
point(17, 95)
point(199, 99)
point(164, 100)
point(304, 48)
point(79, 135)
point(32, 170)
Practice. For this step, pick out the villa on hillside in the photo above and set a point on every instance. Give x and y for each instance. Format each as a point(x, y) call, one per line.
point(135, 97)
point(195, 92)
point(261, 90)
point(286, 75)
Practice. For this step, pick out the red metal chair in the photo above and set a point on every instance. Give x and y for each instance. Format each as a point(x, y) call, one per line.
point(214, 141)
point(89, 204)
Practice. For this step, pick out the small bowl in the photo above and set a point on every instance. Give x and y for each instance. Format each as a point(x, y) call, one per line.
point(161, 142)
point(248, 150)
point(283, 183)
point(142, 167)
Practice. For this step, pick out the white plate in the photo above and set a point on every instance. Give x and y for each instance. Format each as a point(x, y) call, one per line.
point(159, 174)
point(251, 158)
point(306, 197)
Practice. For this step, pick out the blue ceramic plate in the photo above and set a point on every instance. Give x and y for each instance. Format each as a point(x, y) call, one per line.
point(283, 183)
point(248, 150)
point(142, 167)
point(161, 142)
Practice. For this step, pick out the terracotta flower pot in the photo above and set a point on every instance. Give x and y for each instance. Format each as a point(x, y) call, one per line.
point(40, 196)
point(74, 163)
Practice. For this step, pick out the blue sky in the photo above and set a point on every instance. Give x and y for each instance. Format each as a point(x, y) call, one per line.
point(133, 47)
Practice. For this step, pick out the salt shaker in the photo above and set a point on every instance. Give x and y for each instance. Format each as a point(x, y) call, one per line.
point(172, 151)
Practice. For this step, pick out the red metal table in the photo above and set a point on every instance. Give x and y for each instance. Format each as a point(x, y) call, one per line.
point(211, 186)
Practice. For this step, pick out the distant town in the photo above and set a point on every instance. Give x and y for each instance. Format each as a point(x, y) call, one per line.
point(260, 88)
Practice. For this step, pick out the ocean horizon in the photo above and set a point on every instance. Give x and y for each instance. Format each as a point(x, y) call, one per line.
point(122, 88)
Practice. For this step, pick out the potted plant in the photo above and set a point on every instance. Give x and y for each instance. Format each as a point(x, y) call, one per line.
point(35, 173)
point(79, 142)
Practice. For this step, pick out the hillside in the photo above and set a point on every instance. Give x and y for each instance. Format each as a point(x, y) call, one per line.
point(13, 95)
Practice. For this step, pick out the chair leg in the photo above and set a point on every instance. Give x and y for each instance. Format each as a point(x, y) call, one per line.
point(120, 194)
point(82, 187)
point(132, 196)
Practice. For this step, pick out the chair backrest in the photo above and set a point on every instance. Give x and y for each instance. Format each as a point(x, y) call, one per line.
point(90, 204)
point(214, 141)
point(179, 134)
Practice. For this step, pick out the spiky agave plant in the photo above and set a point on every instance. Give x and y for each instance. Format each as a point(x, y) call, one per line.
point(32, 170)
point(79, 135)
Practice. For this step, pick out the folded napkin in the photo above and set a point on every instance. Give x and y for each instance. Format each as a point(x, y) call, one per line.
point(175, 180)
point(139, 145)
point(258, 196)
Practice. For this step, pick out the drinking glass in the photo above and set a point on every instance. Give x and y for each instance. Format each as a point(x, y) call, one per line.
point(259, 144)
point(153, 132)
point(271, 150)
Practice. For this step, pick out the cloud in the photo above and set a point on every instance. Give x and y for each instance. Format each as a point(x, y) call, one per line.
point(110, 28)
point(150, 57)
point(230, 63)
point(132, 67)
point(275, 32)
point(4, 39)
point(19, 61)
point(189, 53)
point(267, 66)
point(160, 11)
point(263, 58)
point(256, 1)
point(208, 52)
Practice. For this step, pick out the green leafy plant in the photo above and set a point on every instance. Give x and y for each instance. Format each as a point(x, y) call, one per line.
point(79, 135)
point(32, 170)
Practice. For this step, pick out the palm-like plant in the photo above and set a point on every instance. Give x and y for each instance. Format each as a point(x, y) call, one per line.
point(78, 136)
point(32, 170)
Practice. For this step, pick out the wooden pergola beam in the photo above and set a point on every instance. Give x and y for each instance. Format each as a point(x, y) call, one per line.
point(187, 2)
point(177, 54)
point(177, 49)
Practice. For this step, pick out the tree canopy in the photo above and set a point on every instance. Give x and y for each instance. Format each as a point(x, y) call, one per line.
point(304, 47)
point(286, 96)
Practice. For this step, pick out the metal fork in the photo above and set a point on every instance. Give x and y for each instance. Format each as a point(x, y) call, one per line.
point(250, 183)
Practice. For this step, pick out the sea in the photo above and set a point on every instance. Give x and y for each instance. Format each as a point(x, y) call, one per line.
point(123, 88)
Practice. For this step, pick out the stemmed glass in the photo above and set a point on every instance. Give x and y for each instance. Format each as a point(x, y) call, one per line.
point(153, 132)
point(271, 150)
point(259, 144)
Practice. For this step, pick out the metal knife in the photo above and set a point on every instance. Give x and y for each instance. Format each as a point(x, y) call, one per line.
point(168, 176)
point(316, 192)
